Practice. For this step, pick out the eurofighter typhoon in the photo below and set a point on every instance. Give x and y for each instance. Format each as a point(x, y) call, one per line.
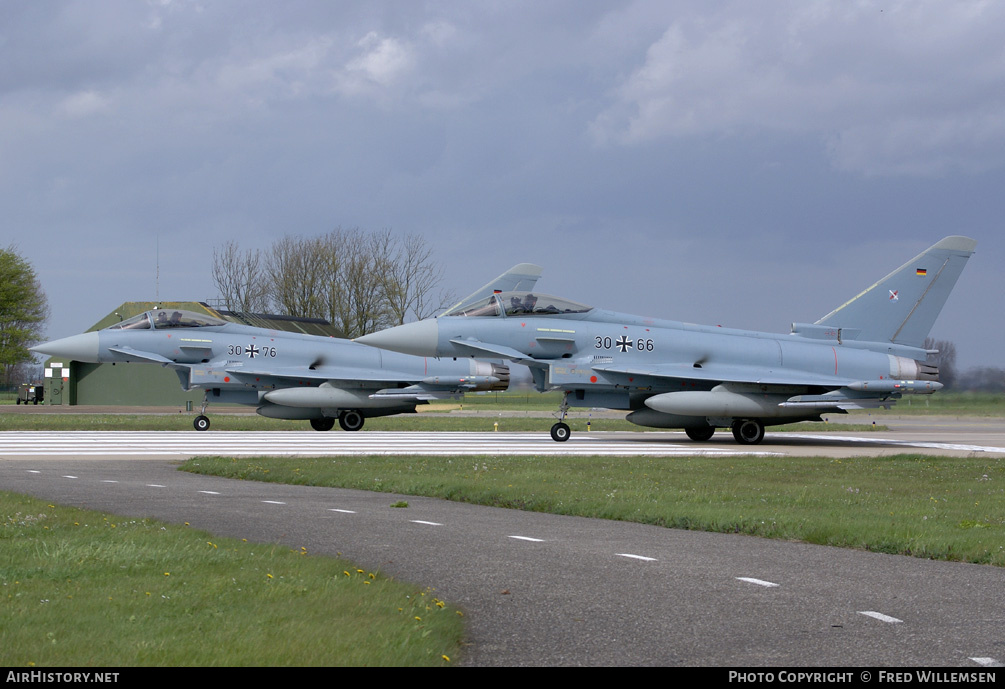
point(866, 353)
point(284, 375)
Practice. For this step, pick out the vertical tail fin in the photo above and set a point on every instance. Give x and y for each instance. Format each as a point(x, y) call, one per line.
point(902, 307)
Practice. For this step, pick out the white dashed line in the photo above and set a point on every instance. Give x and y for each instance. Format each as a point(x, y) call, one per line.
point(880, 616)
point(155, 485)
point(419, 521)
point(528, 538)
point(332, 509)
point(637, 557)
point(108, 480)
point(209, 492)
point(68, 476)
point(987, 662)
point(759, 582)
point(273, 502)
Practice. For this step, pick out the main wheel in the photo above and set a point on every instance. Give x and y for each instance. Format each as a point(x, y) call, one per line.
point(350, 420)
point(700, 433)
point(748, 431)
point(201, 423)
point(325, 423)
point(560, 432)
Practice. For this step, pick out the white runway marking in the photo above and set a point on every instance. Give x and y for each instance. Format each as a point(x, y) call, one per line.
point(273, 502)
point(905, 443)
point(312, 443)
point(528, 538)
point(637, 557)
point(759, 582)
point(332, 509)
point(880, 616)
point(209, 492)
point(987, 662)
point(419, 521)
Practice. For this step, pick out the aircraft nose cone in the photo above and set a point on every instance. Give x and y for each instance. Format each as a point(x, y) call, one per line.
point(420, 339)
point(83, 347)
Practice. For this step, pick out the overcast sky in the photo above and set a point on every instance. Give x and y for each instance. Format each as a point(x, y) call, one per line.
point(736, 163)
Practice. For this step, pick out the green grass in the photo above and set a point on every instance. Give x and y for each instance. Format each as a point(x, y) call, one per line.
point(86, 589)
point(952, 404)
point(933, 507)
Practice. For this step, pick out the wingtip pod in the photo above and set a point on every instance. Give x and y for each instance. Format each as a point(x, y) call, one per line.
point(902, 307)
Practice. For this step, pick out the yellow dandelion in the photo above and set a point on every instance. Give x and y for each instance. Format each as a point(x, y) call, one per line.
point(167, 574)
point(418, 619)
point(446, 658)
point(268, 575)
point(346, 573)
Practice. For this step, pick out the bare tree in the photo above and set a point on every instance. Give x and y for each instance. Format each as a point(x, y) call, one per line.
point(240, 278)
point(297, 279)
point(359, 281)
point(357, 302)
point(410, 279)
point(944, 358)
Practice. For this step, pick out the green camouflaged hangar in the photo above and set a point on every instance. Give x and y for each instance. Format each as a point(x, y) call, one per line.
point(75, 382)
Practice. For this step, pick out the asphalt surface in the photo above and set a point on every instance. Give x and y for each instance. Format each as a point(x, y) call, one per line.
point(541, 589)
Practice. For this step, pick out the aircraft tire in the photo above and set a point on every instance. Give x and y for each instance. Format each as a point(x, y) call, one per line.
point(201, 423)
point(748, 431)
point(351, 420)
point(560, 432)
point(700, 433)
point(325, 423)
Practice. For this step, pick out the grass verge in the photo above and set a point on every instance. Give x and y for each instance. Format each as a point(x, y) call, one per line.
point(935, 507)
point(84, 589)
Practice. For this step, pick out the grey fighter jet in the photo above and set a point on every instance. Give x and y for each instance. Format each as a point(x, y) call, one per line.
point(285, 375)
point(864, 354)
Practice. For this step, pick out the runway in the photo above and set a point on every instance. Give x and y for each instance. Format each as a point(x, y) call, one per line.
point(540, 589)
point(183, 444)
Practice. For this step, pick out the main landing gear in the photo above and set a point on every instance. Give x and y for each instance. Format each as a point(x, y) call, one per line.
point(560, 432)
point(700, 433)
point(325, 423)
point(748, 431)
point(348, 420)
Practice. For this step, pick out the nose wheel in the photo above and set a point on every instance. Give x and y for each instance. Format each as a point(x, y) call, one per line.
point(560, 432)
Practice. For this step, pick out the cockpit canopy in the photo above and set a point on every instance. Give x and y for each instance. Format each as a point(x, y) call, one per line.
point(162, 319)
point(519, 304)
